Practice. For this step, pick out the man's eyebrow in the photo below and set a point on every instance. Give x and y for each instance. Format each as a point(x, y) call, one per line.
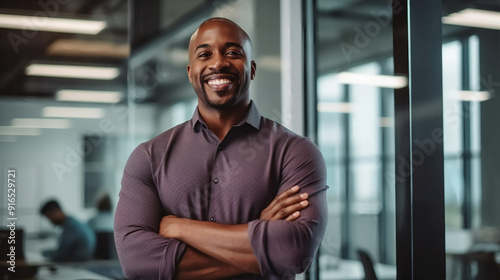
point(228, 44)
point(202, 46)
point(233, 44)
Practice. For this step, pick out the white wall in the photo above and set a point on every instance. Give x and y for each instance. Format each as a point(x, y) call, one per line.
point(51, 165)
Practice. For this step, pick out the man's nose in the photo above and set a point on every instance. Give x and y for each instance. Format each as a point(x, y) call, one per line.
point(218, 62)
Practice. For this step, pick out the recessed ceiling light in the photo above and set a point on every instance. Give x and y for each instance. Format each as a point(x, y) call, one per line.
point(73, 112)
point(64, 25)
point(41, 123)
point(72, 71)
point(474, 18)
point(384, 81)
point(89, 96)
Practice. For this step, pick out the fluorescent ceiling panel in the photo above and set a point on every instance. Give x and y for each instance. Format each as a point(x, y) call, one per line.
point(384, 81)
point(89, 96)
point(74, 47)
point(473, 95)
point(474, 18)
point(50, 24)
point(73, 112)
point(335, 107)
point(72, 71)
point(22, 131)
point(41, 123)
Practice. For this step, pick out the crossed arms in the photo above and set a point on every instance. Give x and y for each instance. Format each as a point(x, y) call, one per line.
point(218, 251)
point(281, 242)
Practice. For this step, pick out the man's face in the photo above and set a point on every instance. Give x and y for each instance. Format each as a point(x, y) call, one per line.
point(55, 216)
point(220, 66)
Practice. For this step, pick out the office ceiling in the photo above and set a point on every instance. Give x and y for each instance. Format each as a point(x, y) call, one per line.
point(159, 22)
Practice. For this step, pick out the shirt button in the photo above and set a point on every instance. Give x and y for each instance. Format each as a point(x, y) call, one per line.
point(216, 180)
point(212, 219)
point(219, 147)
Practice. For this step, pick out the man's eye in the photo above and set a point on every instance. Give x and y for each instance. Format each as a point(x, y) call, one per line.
point(203, 55)
point(234, 53)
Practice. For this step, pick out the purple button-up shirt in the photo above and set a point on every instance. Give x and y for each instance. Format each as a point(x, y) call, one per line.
point(188, 172)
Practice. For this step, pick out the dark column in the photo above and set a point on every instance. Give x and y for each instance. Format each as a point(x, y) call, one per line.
point(419, 140)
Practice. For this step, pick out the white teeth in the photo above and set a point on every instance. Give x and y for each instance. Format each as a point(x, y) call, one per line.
point(218, 82)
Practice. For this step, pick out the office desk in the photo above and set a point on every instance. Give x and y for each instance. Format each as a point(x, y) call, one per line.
point(353, 270)
point(95, 270)
point(67, 273)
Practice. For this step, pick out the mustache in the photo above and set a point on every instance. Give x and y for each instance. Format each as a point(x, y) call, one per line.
point(228, 72)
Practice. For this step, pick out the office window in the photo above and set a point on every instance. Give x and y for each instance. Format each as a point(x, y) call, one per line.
point(452, 83)
point(355, 132)
point(353, 125)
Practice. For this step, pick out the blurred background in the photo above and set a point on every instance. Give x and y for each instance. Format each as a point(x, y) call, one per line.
point(82, 83)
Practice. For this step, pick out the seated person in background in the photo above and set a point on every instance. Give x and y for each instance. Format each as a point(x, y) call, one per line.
point(77, 241)
point(103, 220)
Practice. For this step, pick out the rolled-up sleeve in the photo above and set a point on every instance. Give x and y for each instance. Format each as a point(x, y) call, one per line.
point(143, 253)
point(286, 248)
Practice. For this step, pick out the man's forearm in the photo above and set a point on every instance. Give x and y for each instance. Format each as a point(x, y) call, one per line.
point(197, 265)
point(230, 244)
point(227, 243)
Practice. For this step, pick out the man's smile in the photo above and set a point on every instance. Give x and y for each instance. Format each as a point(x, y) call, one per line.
point(220, 82)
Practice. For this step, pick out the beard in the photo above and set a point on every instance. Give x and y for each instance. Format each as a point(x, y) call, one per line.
point(220, 106)
point(237, 96)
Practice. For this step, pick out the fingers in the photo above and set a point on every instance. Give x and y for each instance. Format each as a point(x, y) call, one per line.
point(286, 205)
point(283, 196)
point(292, 208)
point(295, 215)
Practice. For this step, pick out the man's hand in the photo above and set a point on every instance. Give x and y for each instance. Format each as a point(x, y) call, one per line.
point(286, 206)
point(168, 226)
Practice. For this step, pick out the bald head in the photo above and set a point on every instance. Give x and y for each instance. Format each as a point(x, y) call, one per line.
point(221, 65)
point(221, 23)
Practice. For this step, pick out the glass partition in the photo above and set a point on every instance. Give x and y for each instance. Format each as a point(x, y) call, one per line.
point(470, 75)
point(356, 135)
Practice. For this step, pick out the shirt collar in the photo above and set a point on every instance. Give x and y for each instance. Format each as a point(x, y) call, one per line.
point(252, 118)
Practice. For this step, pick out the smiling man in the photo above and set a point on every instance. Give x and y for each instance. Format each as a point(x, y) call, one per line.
point(227, 194)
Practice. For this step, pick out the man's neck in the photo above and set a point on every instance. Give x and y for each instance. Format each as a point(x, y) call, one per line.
point(221, 121)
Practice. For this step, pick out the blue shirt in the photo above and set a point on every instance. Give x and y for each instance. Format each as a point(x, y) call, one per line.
point(76, 243)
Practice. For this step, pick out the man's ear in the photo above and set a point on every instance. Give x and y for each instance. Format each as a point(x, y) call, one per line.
point(253, 69)
point(188, 68)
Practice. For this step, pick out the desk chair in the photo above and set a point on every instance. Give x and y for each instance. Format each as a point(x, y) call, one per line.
point(105, 246)
point(367, 265)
